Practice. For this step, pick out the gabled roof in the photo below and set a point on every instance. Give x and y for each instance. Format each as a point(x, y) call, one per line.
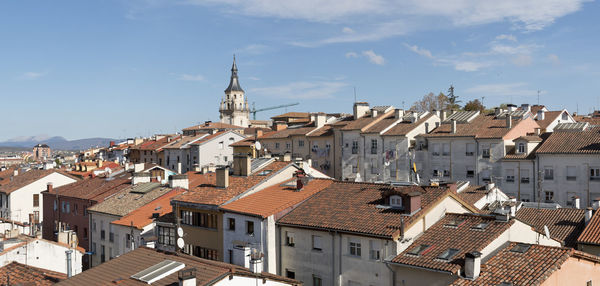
point(533, 267)
point(549, 117)
point(286, 133)
point(326, 130)
point(564, 224)
point(462, 116)
point(482, 126)
point(566, 142)
point(142, 216)
point(21, 274)
point(130, 199)
point(203, 189)
point(276, 198)
point(456, 231)
point(154, 145)
point(404, 127)
point(96, 189)
point(364, 122)
point(212, 125)
point(118, 271)
point(184, 141)
point(292, 115)
point(591, 233)
point(25, 178)
point(355, 208)
point(473, 194)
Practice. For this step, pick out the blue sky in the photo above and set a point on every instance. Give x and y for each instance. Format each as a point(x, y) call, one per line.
point(113, 68)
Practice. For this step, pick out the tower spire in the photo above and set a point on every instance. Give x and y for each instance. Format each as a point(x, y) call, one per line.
point(234, 84)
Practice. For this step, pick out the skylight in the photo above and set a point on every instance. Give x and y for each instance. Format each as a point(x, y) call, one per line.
point(448, 254)
point(481, 226)
point(265, 172)
point(418, 250)
point(158, 271)
point(520, 248)
point(455, 222)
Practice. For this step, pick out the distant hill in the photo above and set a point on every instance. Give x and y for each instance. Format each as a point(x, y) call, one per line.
point(57, 142)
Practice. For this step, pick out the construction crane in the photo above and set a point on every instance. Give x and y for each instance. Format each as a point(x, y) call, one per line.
point(254, 110)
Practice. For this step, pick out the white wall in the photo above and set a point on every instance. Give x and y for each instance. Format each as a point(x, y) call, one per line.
point(210, 152)
point(43, 254)
point(245, 281)
point(563, 189)
point(103, 221)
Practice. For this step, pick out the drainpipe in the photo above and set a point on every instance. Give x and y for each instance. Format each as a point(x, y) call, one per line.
point(519, 178)
point(69, 271)
point(333, 256)
point(340, 257)
point(393, 274)
point(477, 160)
point(279, 252)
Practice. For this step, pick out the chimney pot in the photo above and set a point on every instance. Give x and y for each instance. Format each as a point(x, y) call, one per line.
point(472, 264)
point(508, 121)
point(453, 126)
point(588, 215)
point(576, 202)
point(49, 187)
point(223, 177)
point(541, 115)
point(15, 173)
point(179, 181)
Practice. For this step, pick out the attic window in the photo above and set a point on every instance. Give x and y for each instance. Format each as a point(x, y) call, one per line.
point(455, 222)
point(521, 148)
point(520, 248)
point(481, 226)
point(448, 254)
point(395, 201)
point(265, 172)
point(418, 250)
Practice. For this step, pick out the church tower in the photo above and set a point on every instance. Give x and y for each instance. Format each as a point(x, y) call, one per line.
point(234, 107)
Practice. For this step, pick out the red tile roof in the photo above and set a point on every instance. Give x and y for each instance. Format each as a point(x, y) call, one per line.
point(285, 133)
point(292, 115)
point(212, 125)
point(549, 117)
point(153, 145)
point(203, 189)
point(21, 274)
point(564, 224)
point(473, 194)
point(366, 121)
point(183, 140)
point(353, 207)
point(465, 238)
point(275, 199)
point(25, 178)
point(569, 142)
point(96, 189)
point(591, 233)
point(482, 126)
point(143, 216)
point(533, 267)
point(403, 128)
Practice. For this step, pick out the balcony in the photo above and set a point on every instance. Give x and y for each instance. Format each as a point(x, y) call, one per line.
point(548, 178)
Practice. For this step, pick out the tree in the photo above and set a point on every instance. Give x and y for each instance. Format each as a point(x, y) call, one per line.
point(453, 102)
point(430, 102)
point(474, 105)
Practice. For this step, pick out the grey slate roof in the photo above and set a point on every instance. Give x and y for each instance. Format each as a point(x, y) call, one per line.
point(577, 126)
point(234, 84)
point(130, 199)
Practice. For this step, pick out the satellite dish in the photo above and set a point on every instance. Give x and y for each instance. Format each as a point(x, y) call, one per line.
point(180, 232)
point(257, 145)
point(547, 231)
point(180, 242)
point(386, 163)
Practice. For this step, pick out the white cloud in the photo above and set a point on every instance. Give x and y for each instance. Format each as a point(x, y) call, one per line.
point(554, 59)
point(191, 77)
point(506, 37)
point(420, 51)
point(502, 89)
point(302, 89)
point(351, 55)
point(513, 50)
point(373, 57)
point(252, 78)
point(32, 75)
point(469, 66)
point(254, 49)
point(522, 60)
point(347, 30)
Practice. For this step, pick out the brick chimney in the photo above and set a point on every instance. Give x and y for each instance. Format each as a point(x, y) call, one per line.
point(278, 126)
point(300, 175)
point(49, 187)
point(412, 202)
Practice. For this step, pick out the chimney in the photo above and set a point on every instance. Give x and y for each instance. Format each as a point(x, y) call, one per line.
point(126, 166)
point(472, 264)
point(412, 202)
point(138, 167)
point(258, 133)
point(320, 119)
point(196, 168)
point(242, 165)
point(453, 126)
point(526, 107)
point(69, 271)
point(112, 143)
point(588, 215)
point(223, 177)
point(287, 157)
point(596, 203)
point(511, 107)
point(576, 202)
point(140, 177)
point(179, 181)
point(537, 131)
point(99, 163)
point(541, 115)
point(398, 113)
point(508, 121)
point(15, 173)
point(426, 127)
point(489, 186)
point(360, 109)
point(187, 277)
point(178, 167)
point(497, 111)
point(373, 112)
point(300, 175)
point(49, 187)
point(278, 126)
point(443, 115)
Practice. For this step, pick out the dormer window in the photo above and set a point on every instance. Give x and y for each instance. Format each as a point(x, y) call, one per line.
point(521, 148)
point(395, 201)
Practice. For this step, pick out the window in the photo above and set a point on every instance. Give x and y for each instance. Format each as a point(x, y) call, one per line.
point(166, 235)
point(221, 145)
point(36, 200)
point(521, 148)
point(485, 175)
point(470, 172)
point(354, 248)
point(103, 254)
point(445, 149)
point(276, 145)
point(524, 176)
point(373, 146)
point(510, 175)
point(436, 173)
point(595, 174)
point(317, 243)
point(481, 226)
point(55, 204)
point(446, 173)
point(75, 209)
point(317, 281)
point(102, 234)
point(85, 232)
point(395, 201)
point(249, 227)
point(199, 219)
point(520, 248)
point(94, 225)
point(418, 250)
point(485, 152)
point(231, 223)
point(354, 147)
point(301, 143)
point(374, 167)
point(128, 240)
point(290, 239)
point(454, 223)
point(374, 249)
point(448, 254)
point(290, 274)
point(206, 253)
point(571, 173)
point(354, 169)
point(435, 149)
point(549, 196)
point(470, 149)
point(287, 146)
point(548, 173)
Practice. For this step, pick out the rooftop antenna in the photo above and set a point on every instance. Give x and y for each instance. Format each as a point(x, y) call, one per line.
point(355, 94)
point(403, 105)
point(538, 97)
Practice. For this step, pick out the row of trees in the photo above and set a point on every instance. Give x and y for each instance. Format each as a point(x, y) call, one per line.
point(431, 102)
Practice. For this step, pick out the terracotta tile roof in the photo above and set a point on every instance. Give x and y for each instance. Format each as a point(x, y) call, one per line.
point(549, 117)
point(465, 238)
point(292, 115)
point(212, 125)
point(142, 216)
point(118, 271)
point(590, 120)
point(106, 165)
point(353, 207)
point(244, 142)
point(591, 233)
point(96, 189)
point(382, 124)
point(530, 268)
point(276, 198)
point(366, 121)
point(535, 108)
point(286, 133)
point(403, 128)
point(21, 274)
point(473, 194)
point(152, 145)
point(203, 189)
point(565, 224)
point(326, 130)
point(184, 140)
point(529, 138)
point(482, 126)
point(25, 178)
point(130, 199)
point(210, 137)
point(567, 142)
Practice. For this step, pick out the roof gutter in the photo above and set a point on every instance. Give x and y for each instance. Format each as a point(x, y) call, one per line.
point(387, 262)
point(335, 230)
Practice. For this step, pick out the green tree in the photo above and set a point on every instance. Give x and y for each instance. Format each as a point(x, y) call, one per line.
point(453, 101)
point(430, 102)
point(474, 105)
